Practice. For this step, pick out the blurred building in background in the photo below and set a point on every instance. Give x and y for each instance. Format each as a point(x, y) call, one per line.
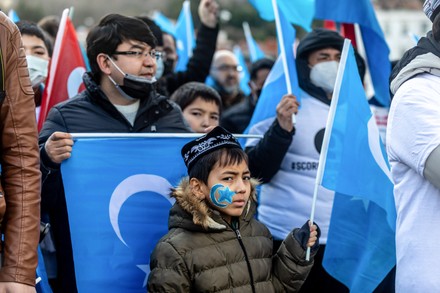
point(402, 28)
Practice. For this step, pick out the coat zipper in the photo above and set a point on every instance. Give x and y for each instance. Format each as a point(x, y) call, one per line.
point(240, 240)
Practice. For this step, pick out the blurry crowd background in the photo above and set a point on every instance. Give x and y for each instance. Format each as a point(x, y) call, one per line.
point(87, 13)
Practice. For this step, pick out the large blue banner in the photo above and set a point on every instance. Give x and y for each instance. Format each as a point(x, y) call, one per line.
point(117, 193)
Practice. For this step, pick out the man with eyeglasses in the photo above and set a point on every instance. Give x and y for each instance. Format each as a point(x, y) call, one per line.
point(120, 96)
point(225, 73)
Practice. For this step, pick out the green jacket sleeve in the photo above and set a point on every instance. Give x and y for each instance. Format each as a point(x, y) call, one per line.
point(169, 272)
point(290, 268)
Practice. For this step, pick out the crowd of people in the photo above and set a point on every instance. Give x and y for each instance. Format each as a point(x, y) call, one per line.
point(220, 237)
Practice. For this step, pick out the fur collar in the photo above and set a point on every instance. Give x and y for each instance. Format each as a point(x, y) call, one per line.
point(202, 214)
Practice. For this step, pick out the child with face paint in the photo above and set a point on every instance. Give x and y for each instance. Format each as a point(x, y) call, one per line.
point(214, 242)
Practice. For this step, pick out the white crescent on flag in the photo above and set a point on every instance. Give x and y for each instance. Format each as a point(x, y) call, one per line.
point(130, 186)
point(74, 81)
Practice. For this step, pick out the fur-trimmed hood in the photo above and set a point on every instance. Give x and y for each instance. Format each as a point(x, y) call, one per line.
point(193, 214)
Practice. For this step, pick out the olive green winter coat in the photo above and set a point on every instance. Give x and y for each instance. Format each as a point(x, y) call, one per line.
point(203, 253)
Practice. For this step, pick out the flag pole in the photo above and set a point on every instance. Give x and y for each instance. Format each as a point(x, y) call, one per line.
point(80, 135)
point(283, 51)
point(57, 47)
point(53, 66)
point(328, 131)
point(187, 11)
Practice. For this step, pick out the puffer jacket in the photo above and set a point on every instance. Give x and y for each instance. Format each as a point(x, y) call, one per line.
point(203, 253)
point(20, 180)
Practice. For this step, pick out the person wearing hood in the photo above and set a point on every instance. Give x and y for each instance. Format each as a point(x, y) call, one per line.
point(286, 158)
point(120, 97)
point(413, 147)
point(214, 243)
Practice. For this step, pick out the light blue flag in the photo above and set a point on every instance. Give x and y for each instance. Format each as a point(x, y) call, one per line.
point(275, 86)
point(185, 38)
point(42, 282)
point(255, 53)
point(244, 74)
point(165, 24)
point(118, 205)
point(13, 16)
point(360, 249)
point(299, 12)
point(376, 48)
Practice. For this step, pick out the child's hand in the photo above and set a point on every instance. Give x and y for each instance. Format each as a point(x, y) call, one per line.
point(313, 236)
point(308, 236)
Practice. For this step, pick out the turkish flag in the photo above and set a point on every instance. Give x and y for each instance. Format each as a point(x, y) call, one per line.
point(66, 69)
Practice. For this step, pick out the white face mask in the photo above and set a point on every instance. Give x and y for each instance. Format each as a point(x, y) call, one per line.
point(37, 69)
point(323, 75)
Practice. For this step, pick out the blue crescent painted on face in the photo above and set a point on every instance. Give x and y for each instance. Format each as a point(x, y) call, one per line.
point(225, 195)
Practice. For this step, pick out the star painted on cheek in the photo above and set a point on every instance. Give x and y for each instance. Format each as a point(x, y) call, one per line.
point(225, 195)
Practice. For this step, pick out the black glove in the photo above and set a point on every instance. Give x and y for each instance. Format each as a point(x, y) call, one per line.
point(302, 236)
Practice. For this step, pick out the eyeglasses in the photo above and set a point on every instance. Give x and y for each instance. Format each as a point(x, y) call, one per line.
point(236, 68)
point(138, 54)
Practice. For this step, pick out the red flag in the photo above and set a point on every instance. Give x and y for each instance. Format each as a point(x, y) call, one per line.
point(330, 25)
point(66, 69)
point(345, 29)
point(350, 33)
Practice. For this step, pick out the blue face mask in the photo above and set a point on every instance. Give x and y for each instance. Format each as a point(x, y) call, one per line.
point(134, 87)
